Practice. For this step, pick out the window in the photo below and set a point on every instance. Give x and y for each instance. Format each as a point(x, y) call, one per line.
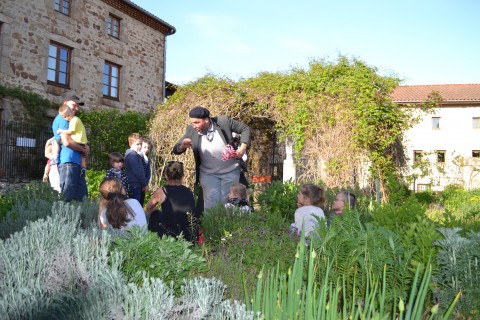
point(423, 187)
point(440, 156)
point(435, 123)
point(63, 6)
point(111, 77)
point(114, 26)
point(475, 153)
point(59, 64)
point(417, 155)
point(476, 122)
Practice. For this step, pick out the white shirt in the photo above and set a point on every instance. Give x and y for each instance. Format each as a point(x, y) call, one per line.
point(305, 217)
point(139, 219)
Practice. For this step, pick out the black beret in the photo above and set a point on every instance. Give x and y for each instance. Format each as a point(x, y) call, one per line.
point(199, 112)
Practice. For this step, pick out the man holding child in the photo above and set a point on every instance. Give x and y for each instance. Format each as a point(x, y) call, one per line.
point(72, 179)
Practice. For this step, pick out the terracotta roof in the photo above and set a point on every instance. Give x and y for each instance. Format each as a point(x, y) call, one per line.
point(451, 93)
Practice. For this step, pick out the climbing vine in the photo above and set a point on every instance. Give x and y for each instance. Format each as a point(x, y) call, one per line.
point(35, 105)
point(339, 114)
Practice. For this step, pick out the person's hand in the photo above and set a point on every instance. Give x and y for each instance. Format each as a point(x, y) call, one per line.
point(59, 131)
point(186, 143)
point(241, 150)
point(86, 150)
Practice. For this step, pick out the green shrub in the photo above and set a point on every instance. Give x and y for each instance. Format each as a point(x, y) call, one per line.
point(307, 292)
point(53, 269)
point(425, 197)
point(94, 178)
point(280, 199)
point(108, 131)
point(458, 208)
point(166, 258)
point(419, 237)
point(239, 244)
point(33, 190)
point(459, 270)
point(352, 249)
point(396, 215)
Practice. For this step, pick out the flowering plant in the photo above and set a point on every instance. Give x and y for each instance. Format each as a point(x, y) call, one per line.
point(229, 153)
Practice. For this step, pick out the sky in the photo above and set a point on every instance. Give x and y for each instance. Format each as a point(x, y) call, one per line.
point(419, 41)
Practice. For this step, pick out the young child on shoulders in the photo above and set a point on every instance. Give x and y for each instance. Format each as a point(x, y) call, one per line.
point(76, 130)
point(135, 169)
point(115, 159)
point(238, 197)
point(310, 199)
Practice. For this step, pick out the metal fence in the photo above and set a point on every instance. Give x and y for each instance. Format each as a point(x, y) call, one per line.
point(22, 150)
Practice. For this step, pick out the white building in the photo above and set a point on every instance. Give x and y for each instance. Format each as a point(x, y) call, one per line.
point(444, 147)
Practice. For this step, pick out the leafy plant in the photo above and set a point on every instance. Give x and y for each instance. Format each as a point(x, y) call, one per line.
point(280, 199)
point(307, 293)
point(53, 269)
point(108, 131)
point(35, 105)
point(166, 258)
point(33, 190)
point(352, 250)
point(94, 178)
point(459, 270)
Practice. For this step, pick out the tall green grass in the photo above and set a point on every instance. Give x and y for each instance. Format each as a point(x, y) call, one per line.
point(306, 293)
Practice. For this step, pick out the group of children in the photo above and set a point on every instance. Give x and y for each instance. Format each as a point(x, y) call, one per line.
point(123, 192)
point(310, 200)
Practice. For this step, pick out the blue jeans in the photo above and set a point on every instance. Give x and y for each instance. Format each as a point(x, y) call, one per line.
point(216, 186)
point(136, 193)
point(72, 183)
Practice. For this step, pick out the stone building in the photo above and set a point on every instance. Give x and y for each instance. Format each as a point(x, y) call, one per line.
point(111, 53)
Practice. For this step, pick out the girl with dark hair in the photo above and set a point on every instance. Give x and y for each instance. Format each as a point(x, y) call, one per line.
point(178, 206)
point(115, 209)
point(116, 160)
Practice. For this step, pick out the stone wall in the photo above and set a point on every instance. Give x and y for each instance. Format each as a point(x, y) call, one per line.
point(28, 27)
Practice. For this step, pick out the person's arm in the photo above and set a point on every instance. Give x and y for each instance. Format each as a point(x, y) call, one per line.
point(48, 149)
point(101, 207)
point(67, 141)
point(244, 131)
point(67, 131)
point(157, 198)
point(184, 143)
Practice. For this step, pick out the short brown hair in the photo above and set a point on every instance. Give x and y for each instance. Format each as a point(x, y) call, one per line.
point(115, 157)
point(134, 137)
point(314, 193)
point(239, 190)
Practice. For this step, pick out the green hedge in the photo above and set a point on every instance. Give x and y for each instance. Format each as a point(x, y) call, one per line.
point(108, 131)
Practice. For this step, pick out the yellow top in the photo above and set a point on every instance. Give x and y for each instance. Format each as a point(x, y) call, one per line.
point(79, 134)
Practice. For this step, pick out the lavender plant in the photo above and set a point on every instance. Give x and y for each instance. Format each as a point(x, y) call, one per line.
point(54, 269)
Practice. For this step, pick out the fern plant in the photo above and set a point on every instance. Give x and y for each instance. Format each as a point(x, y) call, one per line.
point(353, 251)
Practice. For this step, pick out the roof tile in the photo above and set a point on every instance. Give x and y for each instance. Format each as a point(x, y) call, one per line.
point(449, 92)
